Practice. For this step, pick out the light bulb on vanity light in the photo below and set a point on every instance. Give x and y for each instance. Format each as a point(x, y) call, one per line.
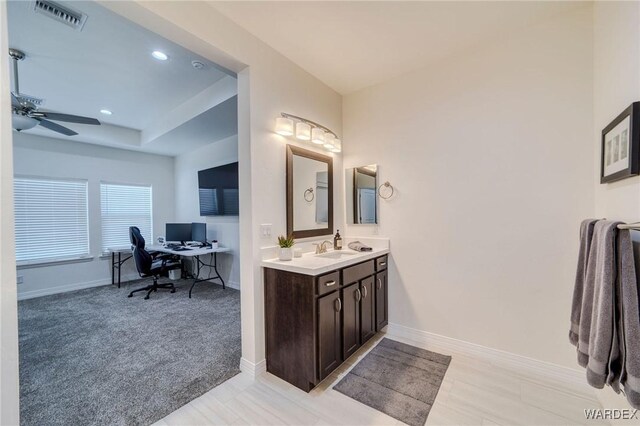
point(329, 140)
point(337, 146)
point(303, 131)
point(317, 135)
point(284, 126)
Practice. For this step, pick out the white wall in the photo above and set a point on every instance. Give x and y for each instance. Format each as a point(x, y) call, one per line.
point(615, 88)
point(224, 229)
point(48, 157)
point(9, 402)
point(268, 84)
point(491, 157)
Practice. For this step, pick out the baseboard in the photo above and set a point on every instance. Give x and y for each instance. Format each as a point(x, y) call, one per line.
point(495, 356)
point(254, 369)
point(23, 295)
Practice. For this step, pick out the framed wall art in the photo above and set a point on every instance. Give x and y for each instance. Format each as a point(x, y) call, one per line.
point(621, 146)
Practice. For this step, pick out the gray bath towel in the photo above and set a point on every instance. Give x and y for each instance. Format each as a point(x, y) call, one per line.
point(586, 235)
point(628, 322)
point(596, 332)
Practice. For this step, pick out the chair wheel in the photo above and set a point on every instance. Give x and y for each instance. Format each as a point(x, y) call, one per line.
point(155, 289)
point(146, 298)
point(131, 295)
point(173, 290)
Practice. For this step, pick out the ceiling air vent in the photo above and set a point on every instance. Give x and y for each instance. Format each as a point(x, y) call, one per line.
point(63, 14)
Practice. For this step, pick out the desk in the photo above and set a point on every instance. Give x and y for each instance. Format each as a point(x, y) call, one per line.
point(117, 264)
point(195, 253)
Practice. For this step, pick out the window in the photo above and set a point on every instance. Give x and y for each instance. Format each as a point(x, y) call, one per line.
point(52, 221)
point(123, 206)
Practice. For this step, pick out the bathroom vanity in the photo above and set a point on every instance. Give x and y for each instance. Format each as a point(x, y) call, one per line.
point(319, 309)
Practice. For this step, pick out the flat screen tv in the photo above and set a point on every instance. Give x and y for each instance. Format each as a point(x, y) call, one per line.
point(218, 189)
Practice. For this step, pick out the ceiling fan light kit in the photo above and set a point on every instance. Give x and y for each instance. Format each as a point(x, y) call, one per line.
point(25, 114)
point(23, 122)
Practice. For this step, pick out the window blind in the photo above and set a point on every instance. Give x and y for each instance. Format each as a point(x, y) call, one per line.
point(52, 220)
point(123, 206)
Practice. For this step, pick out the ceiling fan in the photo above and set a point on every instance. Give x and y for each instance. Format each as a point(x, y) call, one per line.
point(25, 108)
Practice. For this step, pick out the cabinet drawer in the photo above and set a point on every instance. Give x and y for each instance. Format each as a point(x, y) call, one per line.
point(381, 263)
point(357, 272)
point(328, 283)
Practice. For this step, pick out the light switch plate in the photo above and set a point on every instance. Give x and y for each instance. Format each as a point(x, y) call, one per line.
point(20, 279)
point(265, 230)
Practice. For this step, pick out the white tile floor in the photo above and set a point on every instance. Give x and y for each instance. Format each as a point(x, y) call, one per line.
point(474, 392)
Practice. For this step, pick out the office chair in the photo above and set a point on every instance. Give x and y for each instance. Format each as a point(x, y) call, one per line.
point(149, 265)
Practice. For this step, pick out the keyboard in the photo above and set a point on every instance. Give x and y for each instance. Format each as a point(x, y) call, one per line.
point(180, 248)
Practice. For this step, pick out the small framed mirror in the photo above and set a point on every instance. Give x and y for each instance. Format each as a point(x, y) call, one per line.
point(361, 198)
point(309, 193)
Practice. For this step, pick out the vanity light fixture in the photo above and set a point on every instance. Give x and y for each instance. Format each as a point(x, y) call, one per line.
point(337, 146)
point(303, 131)
point(307, 130)
point(284, 126)
point(329, 141)
point(317, 136)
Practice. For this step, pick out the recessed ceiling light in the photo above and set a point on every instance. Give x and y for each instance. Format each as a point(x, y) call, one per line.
point(106, 112)
point(161, 56)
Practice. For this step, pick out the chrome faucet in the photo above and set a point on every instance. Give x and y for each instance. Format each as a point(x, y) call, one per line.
point(322, 247)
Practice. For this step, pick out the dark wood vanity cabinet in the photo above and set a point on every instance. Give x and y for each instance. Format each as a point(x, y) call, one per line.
point(351, 315)
point(368, 310)
point(329, 333)
point(314, 323)
point(382, 294)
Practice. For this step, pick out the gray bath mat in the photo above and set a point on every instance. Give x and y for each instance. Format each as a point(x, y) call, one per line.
point(398, 379)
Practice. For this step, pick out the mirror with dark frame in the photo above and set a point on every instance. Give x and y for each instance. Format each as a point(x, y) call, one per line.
point(361, 184)
point(309, 193)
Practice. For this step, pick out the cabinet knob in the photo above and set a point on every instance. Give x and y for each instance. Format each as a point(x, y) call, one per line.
point(364, 290)
point(379, 283)
point(330, 283)
point(358, 295)
point(383, 263)
point(338, 308)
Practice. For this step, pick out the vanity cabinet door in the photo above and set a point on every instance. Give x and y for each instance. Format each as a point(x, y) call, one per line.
point(329, 327)
point(382, 304)
point(351, 296)
point(367, 309)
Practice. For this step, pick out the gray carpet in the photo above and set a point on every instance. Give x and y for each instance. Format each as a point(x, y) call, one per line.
point(397, 379)
point(96, 357)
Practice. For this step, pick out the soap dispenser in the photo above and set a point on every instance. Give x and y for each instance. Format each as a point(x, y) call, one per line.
point(337, 241)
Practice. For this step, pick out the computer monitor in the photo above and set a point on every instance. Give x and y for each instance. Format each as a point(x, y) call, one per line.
point(199, 232)
point(178, 232)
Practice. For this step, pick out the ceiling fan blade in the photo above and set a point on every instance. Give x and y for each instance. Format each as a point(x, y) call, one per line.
point(66, 117)
point(56, 127)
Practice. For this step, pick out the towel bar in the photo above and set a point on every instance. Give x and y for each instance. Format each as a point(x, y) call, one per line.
point(631, 226)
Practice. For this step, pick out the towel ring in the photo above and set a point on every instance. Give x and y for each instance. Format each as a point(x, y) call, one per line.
point(308, 195)
point(386, 185)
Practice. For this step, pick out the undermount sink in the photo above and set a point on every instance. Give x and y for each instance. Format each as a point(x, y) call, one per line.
point(336, 254)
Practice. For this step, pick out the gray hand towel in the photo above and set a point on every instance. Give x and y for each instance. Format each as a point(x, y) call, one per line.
point(596, 330)
point(628, 324)
point(358, 246)
point(586, 235)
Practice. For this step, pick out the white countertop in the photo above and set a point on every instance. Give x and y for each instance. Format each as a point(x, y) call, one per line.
point(313, 264)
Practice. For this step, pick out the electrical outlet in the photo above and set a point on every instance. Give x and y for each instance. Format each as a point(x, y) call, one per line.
point(20, 279)
point(265, 230)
